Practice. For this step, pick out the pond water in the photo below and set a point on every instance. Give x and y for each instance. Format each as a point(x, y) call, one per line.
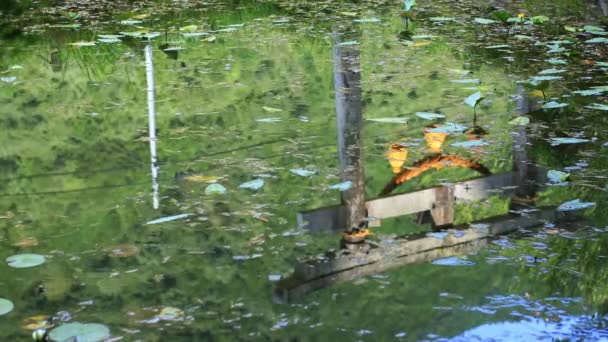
point(246, 92)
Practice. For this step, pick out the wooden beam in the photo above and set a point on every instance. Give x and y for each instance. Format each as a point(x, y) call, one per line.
point(332, 218)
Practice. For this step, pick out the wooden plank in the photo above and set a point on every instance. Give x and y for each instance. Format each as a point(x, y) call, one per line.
point(347, 265)
point(332, 218)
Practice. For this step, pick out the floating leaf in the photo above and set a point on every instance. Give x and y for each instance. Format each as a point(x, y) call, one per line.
point(342, 186)
point(575, 205)
point(367, 20)
point(25, 260)
point(109, 40)
point(597, 40)
point(194, 34)
point(349, 43)
point(82, 44)
point(501, 46)
point(170, 314)
point(349, 14)
point(8, 79)
point(589, 92)
point(302, 172)
point(271, 110)
point(591, 28)
point(597, 106)
point(554, 104)
point(210, 39)
point(520, 120)
point(429, 116)
point(538, 79)
point(539, 19)
point(130, 22)
point(408, 4)
point(141, 16)
point(484, 21)
point(555, 176)
point(448, 127)
point(37, 322)
point(255, 184)
point(215, 189)
point(467, 80)
point(269, 120)
point(570, 28)
point(473, 100)
point(521, 36)
point(441, 19)
point(602, 64)
point(389, 120)
point(168, 218)
point(551, 71)
point(557, 61)
point(453, 261)
point(470, 143)
point(560, 141)
point(81, 332)
point(501, 15)
point(201, 178)
point(6, 306)
point(189, 28)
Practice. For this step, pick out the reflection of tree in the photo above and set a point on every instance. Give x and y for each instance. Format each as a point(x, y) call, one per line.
point(438, 162)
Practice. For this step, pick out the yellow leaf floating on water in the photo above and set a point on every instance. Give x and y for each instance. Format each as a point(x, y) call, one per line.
point(27, 242)
point(201, 178)
point(169, 313)
point(422, 43)
point(141, 16)
point(36, 322)
point(536, 93)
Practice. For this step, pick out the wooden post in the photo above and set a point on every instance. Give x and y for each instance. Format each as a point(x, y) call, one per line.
point(347, 86)
point(442, 210)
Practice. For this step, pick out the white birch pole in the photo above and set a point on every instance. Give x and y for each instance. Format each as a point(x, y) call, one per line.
point(152, 124)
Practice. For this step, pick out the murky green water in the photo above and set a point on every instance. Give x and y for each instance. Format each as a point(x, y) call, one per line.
point(252, 98)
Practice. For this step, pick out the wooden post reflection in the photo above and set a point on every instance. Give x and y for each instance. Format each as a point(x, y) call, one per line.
point(347, 86)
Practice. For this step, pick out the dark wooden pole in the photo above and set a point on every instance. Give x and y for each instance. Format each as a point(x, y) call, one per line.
point(347, 86)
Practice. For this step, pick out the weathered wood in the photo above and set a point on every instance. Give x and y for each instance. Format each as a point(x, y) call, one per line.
point(347, 86)
point(347, 265)
point(442, 210)
point(332, 218)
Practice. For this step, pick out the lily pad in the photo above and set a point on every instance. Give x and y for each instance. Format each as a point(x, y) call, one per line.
point(302, 172)
point(602, 64)
point(500, 46)
point(473, 100)
point(81, 332)
point(271, 110)
point(554, 104)
point(168, 218)
point(429, 116)
point(215, 189)
point(25, 260)
point(467, 80)
point(575, 205)
point(484, 21)
point(538, 79)
point(453, 261)
point(448, 127)
point(520, 120)
point(557, 61)
point(367, 20)
point(470, 143)
point(597, 106)
point(560, 141)
point(589, 92)
point(597, 40)
point(555, 176)
point(255, 184)
point(269, 120)
point(551, 71)
point(342, 186)
point(6, 306)
point(389, 120)
point(441, 19)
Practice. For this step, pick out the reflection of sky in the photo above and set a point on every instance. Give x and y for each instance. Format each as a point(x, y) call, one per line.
point(570, 327)
point(555, 324)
